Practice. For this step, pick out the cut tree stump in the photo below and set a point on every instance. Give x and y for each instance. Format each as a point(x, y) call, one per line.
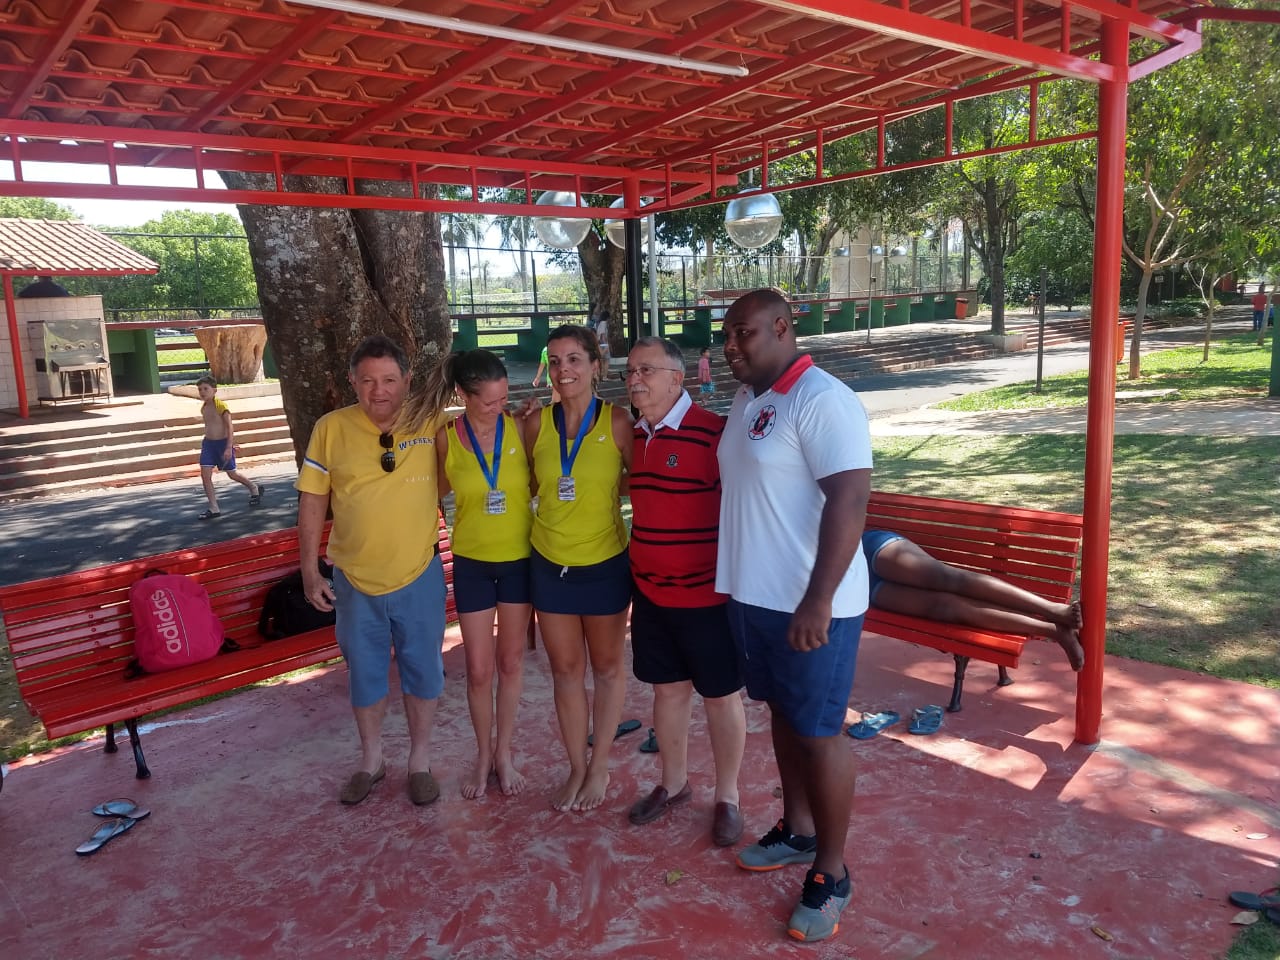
point(234, 352)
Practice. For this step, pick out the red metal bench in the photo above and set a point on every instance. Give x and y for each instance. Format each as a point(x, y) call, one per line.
point(71, 636)
point(1035, 549)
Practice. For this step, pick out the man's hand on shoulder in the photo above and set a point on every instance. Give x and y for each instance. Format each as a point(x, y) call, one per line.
point(809, 625)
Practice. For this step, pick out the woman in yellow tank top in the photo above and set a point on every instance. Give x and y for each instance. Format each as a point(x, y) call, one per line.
point(482, 459)
point(580, 448)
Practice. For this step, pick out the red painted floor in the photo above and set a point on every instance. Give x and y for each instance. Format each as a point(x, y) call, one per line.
point(995, 838)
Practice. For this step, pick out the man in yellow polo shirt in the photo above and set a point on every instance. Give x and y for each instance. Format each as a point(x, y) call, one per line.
point(388, 585)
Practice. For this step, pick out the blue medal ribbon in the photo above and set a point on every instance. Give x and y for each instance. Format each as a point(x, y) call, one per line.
point(491, 477)
point(568, 456)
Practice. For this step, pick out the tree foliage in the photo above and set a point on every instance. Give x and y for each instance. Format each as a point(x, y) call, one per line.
point(35, 208)
point(204, 264)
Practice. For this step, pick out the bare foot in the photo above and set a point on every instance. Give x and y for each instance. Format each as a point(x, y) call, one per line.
point(510, 780)
point(1069, 640)
point(593, 790)
point(1077, 618)
point(565, 796)
point(473, 786)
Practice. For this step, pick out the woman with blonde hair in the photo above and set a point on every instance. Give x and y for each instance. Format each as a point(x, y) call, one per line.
point(580, 449)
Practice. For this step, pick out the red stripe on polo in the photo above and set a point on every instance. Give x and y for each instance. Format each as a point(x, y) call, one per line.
point(793, 373)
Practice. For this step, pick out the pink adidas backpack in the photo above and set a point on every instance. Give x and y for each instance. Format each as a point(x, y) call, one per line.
point(174, 623)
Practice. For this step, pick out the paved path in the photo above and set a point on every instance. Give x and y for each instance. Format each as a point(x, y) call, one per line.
point(1215, 418)
point(53, 535)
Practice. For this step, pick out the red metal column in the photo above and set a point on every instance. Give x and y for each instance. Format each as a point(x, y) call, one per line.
point(18, 376)
point(1100, 429)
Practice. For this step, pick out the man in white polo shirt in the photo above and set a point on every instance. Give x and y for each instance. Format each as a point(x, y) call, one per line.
point(795, 467)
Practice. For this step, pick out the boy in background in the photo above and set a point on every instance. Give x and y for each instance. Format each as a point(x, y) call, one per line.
point(706, 387)
point(218, 448)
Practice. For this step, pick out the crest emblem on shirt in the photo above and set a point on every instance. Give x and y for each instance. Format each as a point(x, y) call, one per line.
point(673, 461)
point(763, 423)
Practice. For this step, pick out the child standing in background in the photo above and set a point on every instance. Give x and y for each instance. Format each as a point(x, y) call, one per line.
point(706, 387)
point(217, 450)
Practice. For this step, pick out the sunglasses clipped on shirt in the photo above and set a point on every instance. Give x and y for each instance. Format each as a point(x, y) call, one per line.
point(388, 460)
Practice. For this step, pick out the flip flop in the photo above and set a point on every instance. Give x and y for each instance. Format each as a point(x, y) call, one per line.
point(124, 807)
point(872, 723)
point(650, 744)
point(926, 720)
point(625, 727)
point(111, 828)
point(1255, 901)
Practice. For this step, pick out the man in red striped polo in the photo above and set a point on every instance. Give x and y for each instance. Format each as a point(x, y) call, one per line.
point(680, 637)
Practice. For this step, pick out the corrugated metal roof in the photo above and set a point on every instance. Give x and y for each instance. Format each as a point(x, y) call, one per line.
point(64, 248)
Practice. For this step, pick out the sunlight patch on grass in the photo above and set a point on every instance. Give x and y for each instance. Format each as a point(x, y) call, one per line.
point(1237, 368)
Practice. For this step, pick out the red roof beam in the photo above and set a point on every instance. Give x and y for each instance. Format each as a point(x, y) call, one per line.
point(1012, 80)
point(1143, 24)
point(735, 15)
point(935, 32)
point(859, 88)
point(252, 153)
point(60, 39)
point(306, 31)
point(475, 59)
point(288, 198)
point(660, 207)
point(838, 43)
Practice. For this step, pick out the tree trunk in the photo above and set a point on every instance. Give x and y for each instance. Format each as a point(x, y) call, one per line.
point(327, 278)
point(993, 251)
point(709, 264)
point(234, 352)
point(1208, 326)
point(1139, 314)
point(603, 268)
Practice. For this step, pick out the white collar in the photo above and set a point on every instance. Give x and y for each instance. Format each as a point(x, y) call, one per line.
point(673, 419)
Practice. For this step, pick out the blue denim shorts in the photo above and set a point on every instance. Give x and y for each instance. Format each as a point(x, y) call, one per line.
point(873, 541)
point(410, 620)
point(810, 689)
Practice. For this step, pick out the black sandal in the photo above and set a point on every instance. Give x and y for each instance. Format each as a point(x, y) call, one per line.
point(210, 515)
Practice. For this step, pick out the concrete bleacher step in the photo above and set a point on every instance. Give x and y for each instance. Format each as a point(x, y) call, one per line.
point(49, 461)
point(151, 474)
point(59, 443)
point(65, 458)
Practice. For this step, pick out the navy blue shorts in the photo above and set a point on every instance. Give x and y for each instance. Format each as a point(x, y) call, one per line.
point(596, 590)
point(672, 644)
point(873, 541)
point(810, 689)
point(211, 454)
point(483, 584)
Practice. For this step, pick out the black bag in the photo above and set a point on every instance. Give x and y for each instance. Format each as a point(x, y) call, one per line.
point(286, 612)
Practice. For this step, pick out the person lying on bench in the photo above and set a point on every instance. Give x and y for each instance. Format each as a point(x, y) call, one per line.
point(905, 579)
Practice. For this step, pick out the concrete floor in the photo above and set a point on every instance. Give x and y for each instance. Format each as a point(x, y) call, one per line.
point(996, 837)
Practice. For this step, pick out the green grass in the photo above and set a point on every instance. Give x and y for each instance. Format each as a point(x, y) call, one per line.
point(1258, 942)
point(1237, 368)
point(195, 355)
